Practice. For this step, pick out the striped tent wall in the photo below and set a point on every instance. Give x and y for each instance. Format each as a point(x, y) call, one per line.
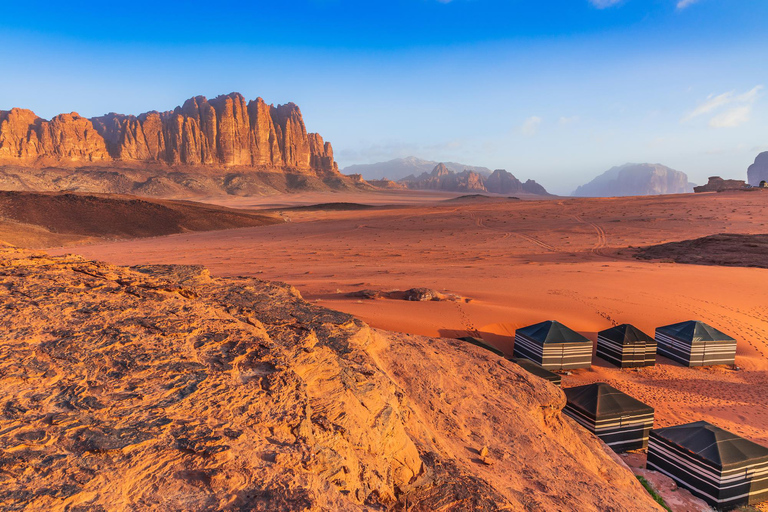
point(740, 485)
point(650, 353)
point(621, 433)
point(696, 352)
point(621, 355)
point(554, 356)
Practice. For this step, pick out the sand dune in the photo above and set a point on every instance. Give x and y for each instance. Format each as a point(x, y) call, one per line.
point(40, 219)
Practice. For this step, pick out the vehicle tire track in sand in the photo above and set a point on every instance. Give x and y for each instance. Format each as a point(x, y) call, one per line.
point(481, 223)
point(602, 237)
point(726, 320)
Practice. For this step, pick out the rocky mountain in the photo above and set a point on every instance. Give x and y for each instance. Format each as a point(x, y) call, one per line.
point(636, 180)
point(758, 171)
point(164, 388)
point(198, 140)
point(718, 184)
point(400, 168)
point(499, 182)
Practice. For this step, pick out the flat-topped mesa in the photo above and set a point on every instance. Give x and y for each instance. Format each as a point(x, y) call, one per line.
point(224, 131)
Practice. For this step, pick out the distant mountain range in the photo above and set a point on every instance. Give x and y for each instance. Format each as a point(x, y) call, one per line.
point(636, 180)
point(400, 168)
point(443, 179)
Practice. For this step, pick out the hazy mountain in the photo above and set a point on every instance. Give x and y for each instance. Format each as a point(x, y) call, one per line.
point(636, 180)
point(758, 171)
point(444, 179)
point(400, 168)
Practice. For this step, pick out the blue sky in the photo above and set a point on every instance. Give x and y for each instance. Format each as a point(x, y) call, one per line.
point(558, 91)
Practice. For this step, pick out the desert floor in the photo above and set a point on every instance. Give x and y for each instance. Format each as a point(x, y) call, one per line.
point(516, 263)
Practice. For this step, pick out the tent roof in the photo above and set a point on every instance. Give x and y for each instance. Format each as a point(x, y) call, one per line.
point(714, 444)
point(602, 400)
point(694, 331)
point(626, 334)
point(552, 332)
point(536, 369)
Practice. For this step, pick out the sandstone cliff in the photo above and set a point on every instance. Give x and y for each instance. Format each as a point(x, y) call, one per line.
point(758, 171)
point(499, 182)
point(162, 388)
point(636, 180)
point(225, 131)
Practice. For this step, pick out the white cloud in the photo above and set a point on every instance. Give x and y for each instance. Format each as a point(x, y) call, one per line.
point(602, 4)
point(738, 112)
point(682, 4)
point(563, 121)
point(732, 117)
point(531, 125)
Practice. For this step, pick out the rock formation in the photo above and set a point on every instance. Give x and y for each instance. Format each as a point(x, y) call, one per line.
point(499, 182)
point(636, 180)
point(225, 131)
point(718, 184)
point(503, 182)
point(400, 168)
point(758, 171)
point(162, 388)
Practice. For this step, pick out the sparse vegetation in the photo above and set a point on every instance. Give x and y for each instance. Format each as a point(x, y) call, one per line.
point(653, 493)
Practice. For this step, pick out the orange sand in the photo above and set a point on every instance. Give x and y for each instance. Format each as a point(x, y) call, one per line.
point(519, 262)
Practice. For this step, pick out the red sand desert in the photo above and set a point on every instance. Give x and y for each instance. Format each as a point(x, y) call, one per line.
point(514, 263)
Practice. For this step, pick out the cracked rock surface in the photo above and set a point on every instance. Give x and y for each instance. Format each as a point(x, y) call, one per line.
point(162, 388)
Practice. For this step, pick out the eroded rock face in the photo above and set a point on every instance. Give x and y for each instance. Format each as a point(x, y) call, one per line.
point(162, 388)
point(758, 171)
point(224, 131)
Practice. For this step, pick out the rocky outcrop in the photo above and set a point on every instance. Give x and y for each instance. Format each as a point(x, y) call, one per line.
point(503, 182)
point(67, 138)
point(226, 131)
point(758, 171)
point(718, 184)
point(636, 180)
point(499, 182)
point(163, 388)
point(400, 168)
point(385, 184)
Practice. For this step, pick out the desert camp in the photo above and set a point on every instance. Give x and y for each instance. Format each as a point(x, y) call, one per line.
point(553, 346)
point(695, 343)
point(718, 466)
point(626, 346)
point(619, 420)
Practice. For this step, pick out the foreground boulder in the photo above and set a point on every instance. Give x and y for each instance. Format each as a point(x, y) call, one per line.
point(162, 388)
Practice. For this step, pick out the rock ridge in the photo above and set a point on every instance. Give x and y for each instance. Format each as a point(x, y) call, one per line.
point(498, 182)
point(224, 131)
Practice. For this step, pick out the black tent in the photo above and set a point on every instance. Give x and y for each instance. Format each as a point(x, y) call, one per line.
point(622, 422)
point(695, 344)
point(537, 370)
point(721, 468)
point(626, 346)
point(553, 346)
point(479, 342)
